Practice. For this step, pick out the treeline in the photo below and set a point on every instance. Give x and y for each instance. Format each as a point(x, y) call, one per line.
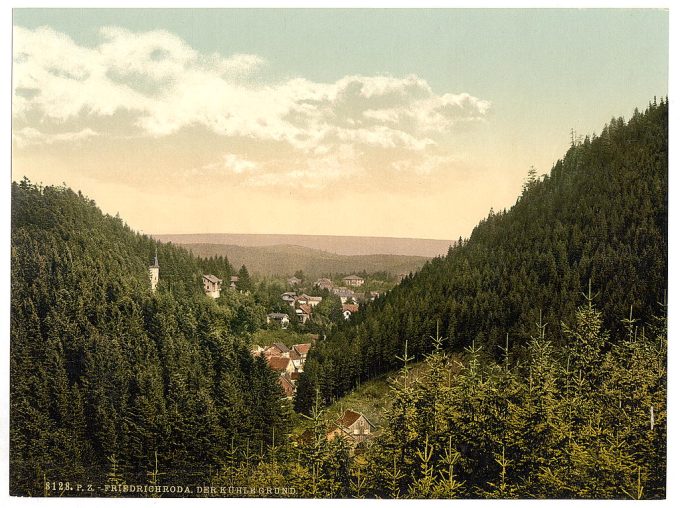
point(600, 216)
point(109, 380)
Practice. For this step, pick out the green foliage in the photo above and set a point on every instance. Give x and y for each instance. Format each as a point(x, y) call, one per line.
point(110, 380)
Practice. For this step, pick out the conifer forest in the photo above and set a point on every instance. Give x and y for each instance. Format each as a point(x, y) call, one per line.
point(528, 362)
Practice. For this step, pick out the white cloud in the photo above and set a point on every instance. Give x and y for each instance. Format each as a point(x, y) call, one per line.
point(166, 85)
point(29, 136)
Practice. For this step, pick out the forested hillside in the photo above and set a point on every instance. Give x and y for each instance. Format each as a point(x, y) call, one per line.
point(110, 381)
point(599, 216)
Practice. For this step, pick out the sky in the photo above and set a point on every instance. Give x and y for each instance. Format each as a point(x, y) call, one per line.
point(402, 122)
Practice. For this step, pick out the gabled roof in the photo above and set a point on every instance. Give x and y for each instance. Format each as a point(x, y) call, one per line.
point(212, 278)
point(306, 308)
point(278, 362)
point(233, 278)
point(281, 347)
point(287, 385)
point(294, 355)
point(350, 307)
point(349, 417)
point(303, 349)
point(352, 277)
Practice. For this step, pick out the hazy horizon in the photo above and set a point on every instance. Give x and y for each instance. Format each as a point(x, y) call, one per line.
point(346, 245)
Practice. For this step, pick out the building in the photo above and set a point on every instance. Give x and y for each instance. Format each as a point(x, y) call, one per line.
point(312, 301)
point(304, 312)
point(402, 276)
point(344, 294)
point(302, 350)
point(353, 281)
point(348, 309)
point(277, 349)
point(287, 385)
point(232, 281)
point(281, 364)
point(352, 425)
point(294, 281)
point(212, 286)
point(324, 283)
point(289, 297)
point(153, 273)
point(278, 317)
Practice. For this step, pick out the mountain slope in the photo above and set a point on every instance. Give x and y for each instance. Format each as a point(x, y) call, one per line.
point(285, 260)
point(600, 216)
point(108, 376)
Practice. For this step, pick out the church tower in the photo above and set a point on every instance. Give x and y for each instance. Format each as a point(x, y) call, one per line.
point(153, 272)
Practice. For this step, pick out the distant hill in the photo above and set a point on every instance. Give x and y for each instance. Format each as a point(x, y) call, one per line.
point(344, 245)
point(286, 259)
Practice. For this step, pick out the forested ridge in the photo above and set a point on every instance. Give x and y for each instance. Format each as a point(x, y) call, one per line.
point(108, 376)
point(600, 216)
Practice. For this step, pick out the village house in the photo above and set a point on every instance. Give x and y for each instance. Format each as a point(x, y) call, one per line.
point(324, 283)
point(294, 281)
point(373, 295)
point(280, 318)
point(348, 309)
point(312, 301)
point(353, 427)
point(353, 281)
point(302, 350)
point(212, 286)
point(402, 276)
point(344, 294)
point(288, 386)
point(289, 297)
point(277, 349)
point(304, 313)
point(281, 364)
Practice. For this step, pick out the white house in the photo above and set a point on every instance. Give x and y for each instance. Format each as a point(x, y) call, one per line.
point(212, 286)
point(278, 317)
point(353, 280)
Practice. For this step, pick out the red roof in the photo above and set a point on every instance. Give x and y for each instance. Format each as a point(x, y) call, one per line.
point(278, 362)
point(349, 417)
point(303, 349)
point(350, 307)
point(306, 308)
